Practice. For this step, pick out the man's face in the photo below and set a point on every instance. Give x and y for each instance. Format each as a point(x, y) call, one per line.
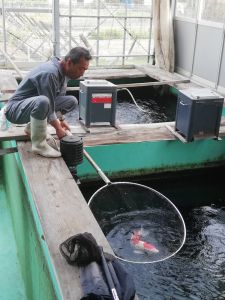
point(75, 71)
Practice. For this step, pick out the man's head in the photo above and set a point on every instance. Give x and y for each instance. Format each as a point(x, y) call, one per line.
point(76, 62)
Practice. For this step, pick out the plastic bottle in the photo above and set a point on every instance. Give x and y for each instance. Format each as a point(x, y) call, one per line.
point(3, 120)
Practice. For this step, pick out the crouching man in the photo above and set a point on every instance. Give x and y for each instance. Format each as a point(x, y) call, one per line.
point(41, 99)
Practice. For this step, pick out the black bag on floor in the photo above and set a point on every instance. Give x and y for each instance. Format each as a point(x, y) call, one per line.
point(83, 251)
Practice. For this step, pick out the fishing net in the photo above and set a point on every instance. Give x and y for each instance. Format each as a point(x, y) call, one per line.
point(141, 224)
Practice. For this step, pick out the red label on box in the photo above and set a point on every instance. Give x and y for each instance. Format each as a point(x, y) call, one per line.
point(101, 100)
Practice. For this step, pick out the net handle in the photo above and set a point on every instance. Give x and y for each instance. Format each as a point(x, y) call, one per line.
point(96, 167)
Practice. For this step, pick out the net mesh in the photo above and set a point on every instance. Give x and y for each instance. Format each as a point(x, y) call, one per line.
point(141, 224)
point(80, 249)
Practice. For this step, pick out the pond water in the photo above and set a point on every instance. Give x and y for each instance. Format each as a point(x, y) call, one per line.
point(133, 216)
point(198, 270)
point(149, 112)
point(153, 106)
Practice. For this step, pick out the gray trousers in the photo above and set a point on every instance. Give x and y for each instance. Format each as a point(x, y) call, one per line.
point(19, 112)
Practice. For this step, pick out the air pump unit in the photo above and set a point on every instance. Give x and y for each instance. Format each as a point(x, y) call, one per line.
point(97, 102)
point(198, 113)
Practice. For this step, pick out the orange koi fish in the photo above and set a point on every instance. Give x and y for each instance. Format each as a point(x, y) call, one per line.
point(136, 241)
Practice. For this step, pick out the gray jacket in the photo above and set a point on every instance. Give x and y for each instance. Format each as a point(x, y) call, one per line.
point(46, 79)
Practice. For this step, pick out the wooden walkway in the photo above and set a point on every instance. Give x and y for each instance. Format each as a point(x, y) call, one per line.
point(124, 133)
point(62, 210)
point(8, 82)
point(61, 207)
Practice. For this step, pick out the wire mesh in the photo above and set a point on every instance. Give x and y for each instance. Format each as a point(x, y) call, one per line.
point(141, 224)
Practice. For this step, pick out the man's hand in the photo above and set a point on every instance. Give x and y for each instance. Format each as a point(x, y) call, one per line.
point(60, 127)
point(65, 125)
point(60, 133)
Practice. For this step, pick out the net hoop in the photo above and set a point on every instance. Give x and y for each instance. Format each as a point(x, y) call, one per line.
point(163, 197)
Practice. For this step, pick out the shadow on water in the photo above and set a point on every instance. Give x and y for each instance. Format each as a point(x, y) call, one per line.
point(198, 270)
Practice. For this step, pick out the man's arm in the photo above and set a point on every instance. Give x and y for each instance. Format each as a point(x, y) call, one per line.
point(60, 126)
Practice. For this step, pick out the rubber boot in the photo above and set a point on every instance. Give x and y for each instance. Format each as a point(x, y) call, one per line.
point(27, 129)
point(3, 120)
point(51, 141)
point(38, 139)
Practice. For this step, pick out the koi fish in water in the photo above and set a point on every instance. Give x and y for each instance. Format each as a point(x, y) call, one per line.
point(139, 244)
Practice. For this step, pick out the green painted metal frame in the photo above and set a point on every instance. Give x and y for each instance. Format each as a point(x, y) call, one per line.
point(37, 270)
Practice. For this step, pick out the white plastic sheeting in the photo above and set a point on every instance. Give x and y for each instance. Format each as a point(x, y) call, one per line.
point(163, 35)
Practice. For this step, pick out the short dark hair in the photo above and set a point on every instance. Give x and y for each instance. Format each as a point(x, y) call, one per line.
point(75, 54)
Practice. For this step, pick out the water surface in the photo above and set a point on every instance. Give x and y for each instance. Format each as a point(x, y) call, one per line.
point(147, 110)
point(198, 270)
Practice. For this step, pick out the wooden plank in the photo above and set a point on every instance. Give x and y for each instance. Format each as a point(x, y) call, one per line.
point(129, 135)
point(98, 73)
point(155, 83)
point(106, 135)
point(196, 137)
point(160, 74)
point(178, 81)
point(136, 85)
point(176, 134)
point(124, 138)
point(62, 210)
point(8, 150)
point(13, 133)
point(16, 132)
point(101, 135)
point(183, 86)
point(5, 96)
point(8, 82)
point(113, 73)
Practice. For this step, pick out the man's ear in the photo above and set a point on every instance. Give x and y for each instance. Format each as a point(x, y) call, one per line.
point(69, 61)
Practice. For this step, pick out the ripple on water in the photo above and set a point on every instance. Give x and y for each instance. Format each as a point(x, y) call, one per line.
point(128, 113)
point(197, 271)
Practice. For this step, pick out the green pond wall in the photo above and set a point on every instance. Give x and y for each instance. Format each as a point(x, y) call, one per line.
point(143, 158)
point(35, 263)
point(11, 281)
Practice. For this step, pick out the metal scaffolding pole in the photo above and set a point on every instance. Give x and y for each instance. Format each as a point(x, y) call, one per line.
point(56, 29)
point(3, 26)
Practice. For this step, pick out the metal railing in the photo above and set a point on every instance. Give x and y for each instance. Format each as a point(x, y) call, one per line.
point(117, 34)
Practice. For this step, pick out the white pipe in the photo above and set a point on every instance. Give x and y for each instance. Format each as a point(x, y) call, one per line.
point(132, 97)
